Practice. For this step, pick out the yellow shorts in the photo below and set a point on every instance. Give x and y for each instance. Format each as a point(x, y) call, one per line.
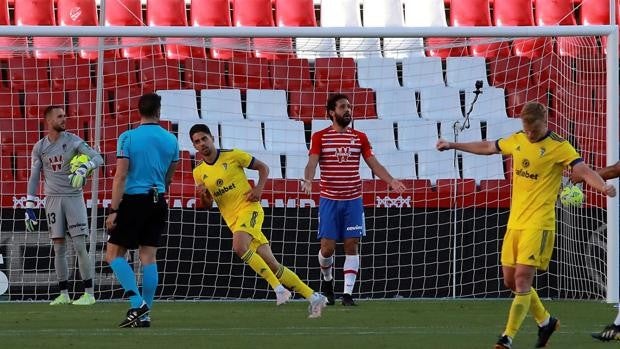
point(531, 247)
point(250, 222)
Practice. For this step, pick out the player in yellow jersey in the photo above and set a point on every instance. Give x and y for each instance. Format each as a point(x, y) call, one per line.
point(221, 177)
point(539, 156)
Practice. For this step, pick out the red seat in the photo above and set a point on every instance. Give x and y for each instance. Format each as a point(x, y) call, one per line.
point(591, 142)
point(258, 13)
point(494, 193)
point(335, 74)
point(70, 74)
point(126, 102)
point(520, 13)
point(41, 12)
point(363, 103)
point(552, 70)
point(216, 13)
point(510, 72)
point(9, 108)
point(572, 102)
point(35, 101)
point(203, 73)
point(518, 96)
point(82, 104)
point(172, 13)
point(84, 13)
point(306, 105)
point(27, 73)
point(591, 71)
point(20, 131)
point(14, 46)
point(159, 74)
point(111, 129)
point(250, 72)
point(22, 155)
point(295, 13)
point(119, 73)
point(129, 13)
point(446, 47)
point(291, 74)
point(477, 13)
point(596, 12)
point(6, 167)
point(81, 126)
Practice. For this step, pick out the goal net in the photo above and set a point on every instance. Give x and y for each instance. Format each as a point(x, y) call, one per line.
point(441, 238)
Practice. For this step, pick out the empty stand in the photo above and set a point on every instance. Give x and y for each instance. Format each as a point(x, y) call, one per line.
point(216, 13)
point(510, 72)
point(41, 12)
point(119, 73)
point(243, 134)
point(82, 104)
point(307, 105)
point(266, 105)
point(296, 164)
point(204, 73)
point(440, 103)
point(35, 101)
point(334, 74)
point(434, 165)
point(362, 103)
point(258, 13)
point(222, 104)
point(519, 96)
point(417, 135)
point(377, 73)
point(420, 72)
point(185, 143)
point(9, 108)
point(272, 160)
point(70, 74)
point(491, 104)
point(129, 13)
point(502, 128)
point(397, 104)
point(380, 134)
point(172, 13)
point(285, 136)
point(473, 133)
point(346, 13)
point(320, 124)
point(126, 102)
point(291, 74)
point(10, 46)
point(159, 74)
point(477, 13)
point(178, 105)
point(463, 72)
point(482, 167)
point(400, 164)
point(521, 13)
point(28, 73)
point(249, 72)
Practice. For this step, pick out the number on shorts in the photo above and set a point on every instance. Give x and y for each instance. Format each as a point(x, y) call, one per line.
point(51, 218)
point(253, 219)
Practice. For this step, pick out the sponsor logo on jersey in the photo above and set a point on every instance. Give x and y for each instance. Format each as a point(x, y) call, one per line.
point(343, 153)
point(55, 162)
point(225, 189)
point(525, 174)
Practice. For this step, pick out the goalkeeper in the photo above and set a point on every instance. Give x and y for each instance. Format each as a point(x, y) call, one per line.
point(539, 157)
point(221, 177)
point(64, 203)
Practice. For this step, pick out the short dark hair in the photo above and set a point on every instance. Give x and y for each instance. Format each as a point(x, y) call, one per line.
point(331, 101)
point(533, 111)
point(149, 104)
point(49, 109)
point(199, 128)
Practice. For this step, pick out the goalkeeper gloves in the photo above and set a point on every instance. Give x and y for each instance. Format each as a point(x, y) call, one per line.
point(30, 217)
point(78, 178)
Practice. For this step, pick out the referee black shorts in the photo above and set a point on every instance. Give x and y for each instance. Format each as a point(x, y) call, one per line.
point(140, 221)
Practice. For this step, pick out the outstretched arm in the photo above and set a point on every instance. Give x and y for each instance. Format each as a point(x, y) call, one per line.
point(380, 171)
point(581, 170)
point(610, 172)
point(480, 148)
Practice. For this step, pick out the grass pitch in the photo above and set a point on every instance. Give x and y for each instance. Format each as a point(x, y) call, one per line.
point(433, 324)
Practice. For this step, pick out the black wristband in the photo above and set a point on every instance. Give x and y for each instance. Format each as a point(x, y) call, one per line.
point(113, 210)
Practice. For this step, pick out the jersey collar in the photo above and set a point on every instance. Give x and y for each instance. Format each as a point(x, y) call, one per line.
point(214, 161)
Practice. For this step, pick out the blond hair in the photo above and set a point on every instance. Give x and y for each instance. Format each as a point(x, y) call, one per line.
point(533, 111)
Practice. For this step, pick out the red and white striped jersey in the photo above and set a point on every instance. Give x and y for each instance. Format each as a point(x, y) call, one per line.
point(339, 159)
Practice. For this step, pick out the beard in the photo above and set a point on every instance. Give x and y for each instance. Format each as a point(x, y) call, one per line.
point(344, 120)
point(59, 128)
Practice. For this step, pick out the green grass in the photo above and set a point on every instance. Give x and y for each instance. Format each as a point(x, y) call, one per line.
point(433, 324)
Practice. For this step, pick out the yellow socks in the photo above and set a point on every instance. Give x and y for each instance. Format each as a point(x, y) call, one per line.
point(257, 263)
point(537, 309)
point(518, 310)
point(293, 282)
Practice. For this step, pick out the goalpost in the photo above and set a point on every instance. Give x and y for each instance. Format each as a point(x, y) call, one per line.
point(439, 239)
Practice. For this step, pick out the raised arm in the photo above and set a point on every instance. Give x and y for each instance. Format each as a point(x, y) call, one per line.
point(480, 148)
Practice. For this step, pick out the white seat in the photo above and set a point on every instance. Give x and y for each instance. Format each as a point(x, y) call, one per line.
point(389, 13)
point(313, 48)
point(296, 165)
point(425, 13)
point(365, 171)
point(178, 105)
point(185, 143)
point(319, 124)
point(270, 159)
point(463, 72)
point(471, 134)
point(285, 136)
point(502, 128)
point(417, 135)
point(266, 105)
point(396, 104)
point(421, 72)
point(491, 104)
point(483, 166)
point(400, 164)
point(224, 104)
point(434, 164)
point(440, 103)
point(377, 73)
point(346, 13)
point(245, 135)
point(380, 134)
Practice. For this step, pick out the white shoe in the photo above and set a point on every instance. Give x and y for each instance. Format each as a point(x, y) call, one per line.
point(317, 303)
point(282, 295)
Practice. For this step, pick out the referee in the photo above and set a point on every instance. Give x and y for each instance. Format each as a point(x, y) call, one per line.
point(147, 157)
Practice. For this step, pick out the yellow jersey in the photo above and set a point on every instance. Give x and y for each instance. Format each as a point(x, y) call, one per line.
point(536, 177)
point(227, 182)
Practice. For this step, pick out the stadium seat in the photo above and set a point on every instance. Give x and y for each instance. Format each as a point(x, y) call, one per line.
point(9, 108)
point(434, 165)
point(266, 105)
point(491, 104)
point(551, 70)
point(481, 167)
point(473, 133)
point(421, 72)
point(334, 74)
point(129, 13)
point(396, 104)
point(517, 97)
point(216, 13)
point(70, 74)
point(300, 13)
point(204, 73)
point(346, 13)
point(377, 73)
point(470, 13)
point(296, 164)
point(389, 13)
point(35, 101)
point(159, 74)
point(362, 103)
point(307, 105)
point(185, 143)
point(502, 128)
point(591, 71)
point(172, 13)
point(126, 102)
point(119, 72)
point(596, 12)
point(291, 74)
point(11, 46)
point(23, 154)
point(573, 102)
point(432, 13)
point(27, 73)
point(178, 105)
point(258, 13)
point(400, 164)
point(249, 73)
point(440, 103)
point(319, 124)
point(242, 134)
point(380, 134)
point(221, 105)
point(417, 135)
point(510, 72)
point(83, 104)
point(521, 13)
point(272, 160)
point(41, 12)
point(285, 136)
point(463, 72)
point(20, 131)
point(456, 188)
point(84, 13)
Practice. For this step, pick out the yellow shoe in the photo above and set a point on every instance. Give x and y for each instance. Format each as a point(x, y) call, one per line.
point(86, 299)
point(61, 299)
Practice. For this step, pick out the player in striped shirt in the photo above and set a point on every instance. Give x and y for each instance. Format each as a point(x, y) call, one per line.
point(338, 150)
